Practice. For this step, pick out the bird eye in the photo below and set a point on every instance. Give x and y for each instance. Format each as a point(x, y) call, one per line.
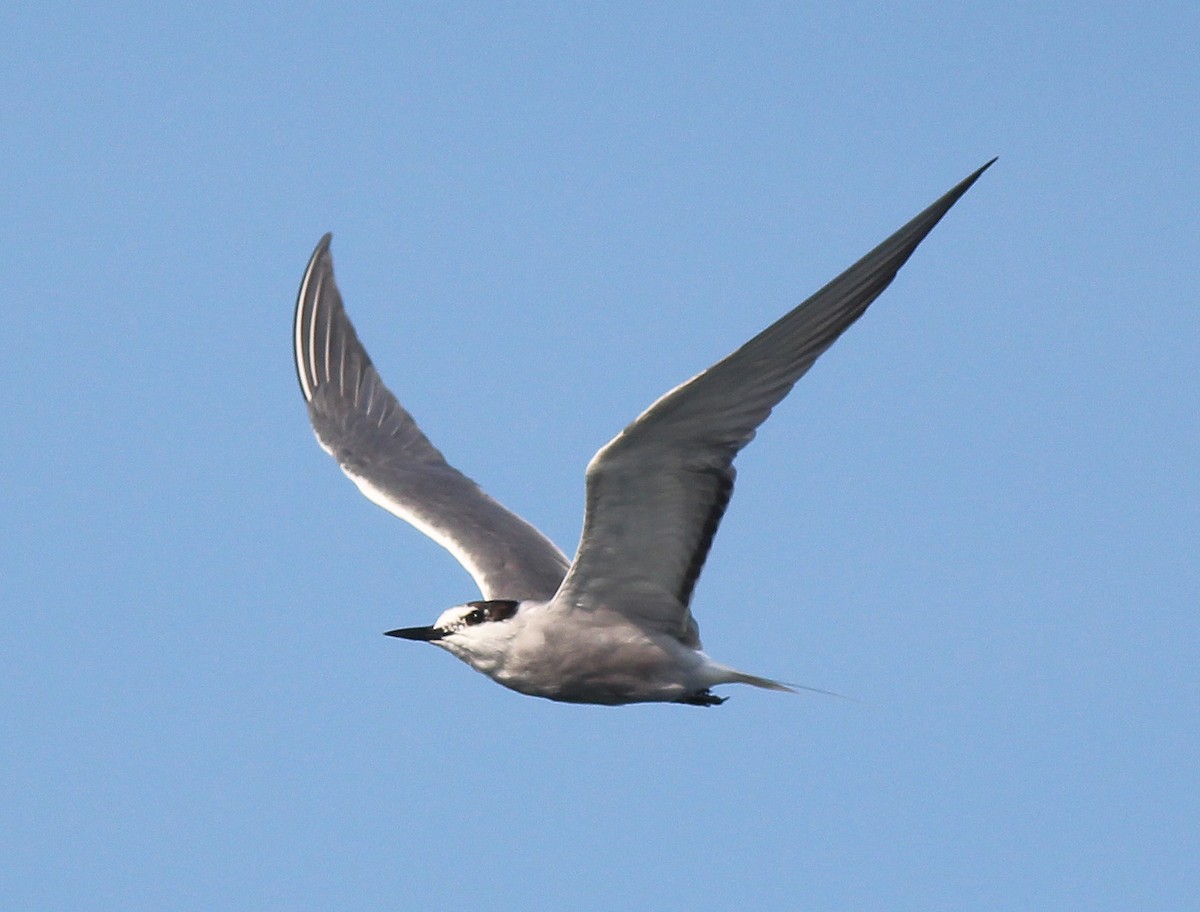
point(491, 610)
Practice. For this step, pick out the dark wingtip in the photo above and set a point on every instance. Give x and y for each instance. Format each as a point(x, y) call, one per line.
point(322, 249)
point(900, 246)
point(966, 183)
point(986, 165)
point(955, 193)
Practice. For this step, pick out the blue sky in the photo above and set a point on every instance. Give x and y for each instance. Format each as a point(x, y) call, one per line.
point(978, 516)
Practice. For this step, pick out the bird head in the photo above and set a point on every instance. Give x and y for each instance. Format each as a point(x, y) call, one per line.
point(476, 632)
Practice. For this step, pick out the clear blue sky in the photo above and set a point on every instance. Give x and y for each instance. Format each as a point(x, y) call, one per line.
point(978, 516)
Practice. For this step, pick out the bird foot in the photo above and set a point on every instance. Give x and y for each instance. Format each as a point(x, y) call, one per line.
point(702, 698)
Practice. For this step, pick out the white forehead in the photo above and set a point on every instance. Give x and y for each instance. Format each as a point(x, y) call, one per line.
point(452, 615)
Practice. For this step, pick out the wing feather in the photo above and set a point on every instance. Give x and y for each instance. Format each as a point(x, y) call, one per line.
point(383, 451)
point(656, 492)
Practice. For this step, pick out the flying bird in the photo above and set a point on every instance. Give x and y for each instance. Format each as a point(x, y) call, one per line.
point(614, 625)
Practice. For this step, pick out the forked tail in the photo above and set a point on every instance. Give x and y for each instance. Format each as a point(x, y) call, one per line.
point(740, 677)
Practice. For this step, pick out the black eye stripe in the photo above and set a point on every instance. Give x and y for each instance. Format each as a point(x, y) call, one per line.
point(493, 610)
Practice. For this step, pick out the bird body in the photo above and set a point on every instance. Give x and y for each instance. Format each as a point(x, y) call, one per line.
point(614, 625)
point(590, 655)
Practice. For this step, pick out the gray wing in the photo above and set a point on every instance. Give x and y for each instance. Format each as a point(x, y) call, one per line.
point(656, 492)
point(378, 445)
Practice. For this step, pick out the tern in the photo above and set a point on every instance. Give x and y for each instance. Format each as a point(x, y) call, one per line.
point(613, 626)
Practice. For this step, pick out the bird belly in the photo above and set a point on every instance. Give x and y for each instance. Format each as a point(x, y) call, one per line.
point(605, 665)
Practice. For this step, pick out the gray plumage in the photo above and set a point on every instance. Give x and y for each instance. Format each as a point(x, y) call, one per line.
point(614, 625)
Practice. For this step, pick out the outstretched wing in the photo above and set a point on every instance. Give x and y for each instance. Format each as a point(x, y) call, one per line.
point(656, 493)
point(379, 446)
